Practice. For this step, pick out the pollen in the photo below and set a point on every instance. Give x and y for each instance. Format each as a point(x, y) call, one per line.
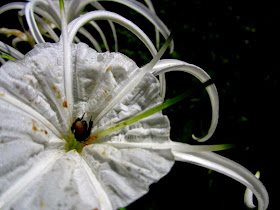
point(64, 104)
point(109, 68)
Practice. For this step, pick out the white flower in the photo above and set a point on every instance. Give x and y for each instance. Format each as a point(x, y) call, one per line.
point(45, 91)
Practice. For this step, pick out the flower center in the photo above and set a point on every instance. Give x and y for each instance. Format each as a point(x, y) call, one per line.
point(81, 129)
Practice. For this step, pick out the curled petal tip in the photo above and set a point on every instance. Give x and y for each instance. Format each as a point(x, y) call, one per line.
point(203, 139)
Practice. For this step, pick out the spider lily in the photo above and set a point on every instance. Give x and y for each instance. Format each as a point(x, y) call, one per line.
point(45, 92)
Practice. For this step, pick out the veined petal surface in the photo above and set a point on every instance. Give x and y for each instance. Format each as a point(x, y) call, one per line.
point(37, 81)
point(36, 171)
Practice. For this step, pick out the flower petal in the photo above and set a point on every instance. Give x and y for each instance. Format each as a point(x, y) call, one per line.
point(38, 5)
point(97, 5)
point(152, 17)
point(227, 167)
point(248, 195)
point(96, 75)
point(27, 147)
point(105, 15)
point(151, 7)
point(29, 14)
point(126, 174)
point(167, 65)
point(63, 184)
point(25, 80)
point(11, 6)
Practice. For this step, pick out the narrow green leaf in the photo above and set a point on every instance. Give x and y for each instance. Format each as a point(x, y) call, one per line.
point(8, 57)
point(165, 104)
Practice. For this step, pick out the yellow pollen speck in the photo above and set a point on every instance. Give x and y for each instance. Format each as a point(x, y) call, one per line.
point(109, 68)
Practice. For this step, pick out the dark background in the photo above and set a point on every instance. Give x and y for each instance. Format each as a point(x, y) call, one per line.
point(212, 36)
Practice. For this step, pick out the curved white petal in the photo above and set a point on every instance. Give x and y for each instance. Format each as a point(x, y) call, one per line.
point(72, 9)
point(142, 9)
point(167, 65)
point(151, 7)
point(21, 6)
point(227, 167)
point(29, 14)
point(96, 15)
point(11, 6)
point(162, 81)
point(93, 41)
point(10, 51)
point(47, 28)
point(105, 15)
point(97, 5)
point(248, 195)
point(102, 35)
point(127, 86)
point(39, 5)
point(157, 145)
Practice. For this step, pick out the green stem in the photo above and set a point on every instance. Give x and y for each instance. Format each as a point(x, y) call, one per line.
point(8, 57)
point(61, 6)
point(165, 104)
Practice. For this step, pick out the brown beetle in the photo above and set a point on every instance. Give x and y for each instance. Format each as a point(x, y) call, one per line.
point(80, 129)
